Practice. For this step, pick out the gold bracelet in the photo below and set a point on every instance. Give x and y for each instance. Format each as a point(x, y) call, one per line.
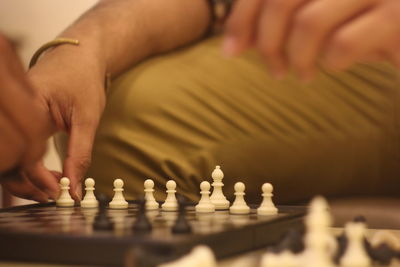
point(57, 42)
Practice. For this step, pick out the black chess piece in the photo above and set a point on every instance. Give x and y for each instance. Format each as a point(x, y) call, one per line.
point(102, 222)
point(342, 242)
point(181, 225)
point(383, 254)
point(360, 218)
point(292, 240)
point(142, 223)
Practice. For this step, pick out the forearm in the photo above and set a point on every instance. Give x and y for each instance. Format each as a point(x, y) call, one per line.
point(123, 32)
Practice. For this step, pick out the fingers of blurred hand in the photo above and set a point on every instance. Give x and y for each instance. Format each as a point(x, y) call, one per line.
point(23, 188)
point(272, 29)
point(43, 179)
point(241, 26)
point(12, 144)
point(19, 103)
point(312, 24)
point(79, 152)
point(57, 175)
point(363, 36)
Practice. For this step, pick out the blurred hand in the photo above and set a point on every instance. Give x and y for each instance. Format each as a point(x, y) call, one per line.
point(299, 34)
point(71, 84)
point(23, 122)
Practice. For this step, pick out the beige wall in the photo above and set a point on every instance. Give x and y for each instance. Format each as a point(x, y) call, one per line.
point(38, 21)
point(35, 22)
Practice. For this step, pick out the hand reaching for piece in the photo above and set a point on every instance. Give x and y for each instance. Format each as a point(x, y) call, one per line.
point(71, 83)
point(299, 34)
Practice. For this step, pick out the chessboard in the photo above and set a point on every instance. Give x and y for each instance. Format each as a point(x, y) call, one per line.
point(46, 233)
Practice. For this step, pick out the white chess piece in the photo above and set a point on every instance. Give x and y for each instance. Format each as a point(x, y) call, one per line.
point(355, 254)
point(319, 242)
point(118, 201)
point(205, 205)
point(316, 251)
point(64, 200)
point(217, 197)
point(283, 259)
point(89, 201)
point(200, 256)
point(239, 206)
point(170, 204)
point(267, 207)
point(151, 203)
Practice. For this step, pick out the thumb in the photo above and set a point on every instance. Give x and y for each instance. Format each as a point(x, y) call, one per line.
point(79, 155)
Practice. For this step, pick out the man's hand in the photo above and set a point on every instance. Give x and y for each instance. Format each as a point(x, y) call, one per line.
point(70, 80)
point(113, 36)
point(299, 34)
point(23, 123)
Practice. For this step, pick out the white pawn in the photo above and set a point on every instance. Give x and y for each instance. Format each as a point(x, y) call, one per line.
point(89, 201)
point(217, 197)
point(170, 204)
point(267, 207)
point(64, 200)
point(283, 259)
point(355, 254)
point(239, 206)
point(151, 203)
point(320, 245)
point(200, 256)
point(118, 201)
point(205, 205)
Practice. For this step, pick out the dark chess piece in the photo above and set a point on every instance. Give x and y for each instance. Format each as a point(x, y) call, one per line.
point(292, 240)
point(181, 226)
point(102, 222)
point(142, 223)
point(383, 254)
point(360, 218)
point(342, 242)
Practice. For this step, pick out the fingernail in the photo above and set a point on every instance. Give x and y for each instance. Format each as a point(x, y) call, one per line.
point(79, 195)
point(229, 47)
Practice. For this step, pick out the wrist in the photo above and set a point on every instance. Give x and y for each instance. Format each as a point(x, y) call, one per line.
point(83, 56)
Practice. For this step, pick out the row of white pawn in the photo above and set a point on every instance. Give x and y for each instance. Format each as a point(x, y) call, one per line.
point(239, 205)
point(90, 201)
point(206, 204)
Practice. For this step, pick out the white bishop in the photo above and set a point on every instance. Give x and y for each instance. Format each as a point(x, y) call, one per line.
point(217, 197)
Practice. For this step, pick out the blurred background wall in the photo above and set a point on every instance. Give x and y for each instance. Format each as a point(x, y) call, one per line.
point(33, 23)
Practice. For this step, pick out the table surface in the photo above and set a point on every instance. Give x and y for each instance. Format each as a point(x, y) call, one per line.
point(247, 259)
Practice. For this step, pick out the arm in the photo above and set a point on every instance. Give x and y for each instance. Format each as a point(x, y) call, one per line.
point(113, 35)
point(123, 32)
